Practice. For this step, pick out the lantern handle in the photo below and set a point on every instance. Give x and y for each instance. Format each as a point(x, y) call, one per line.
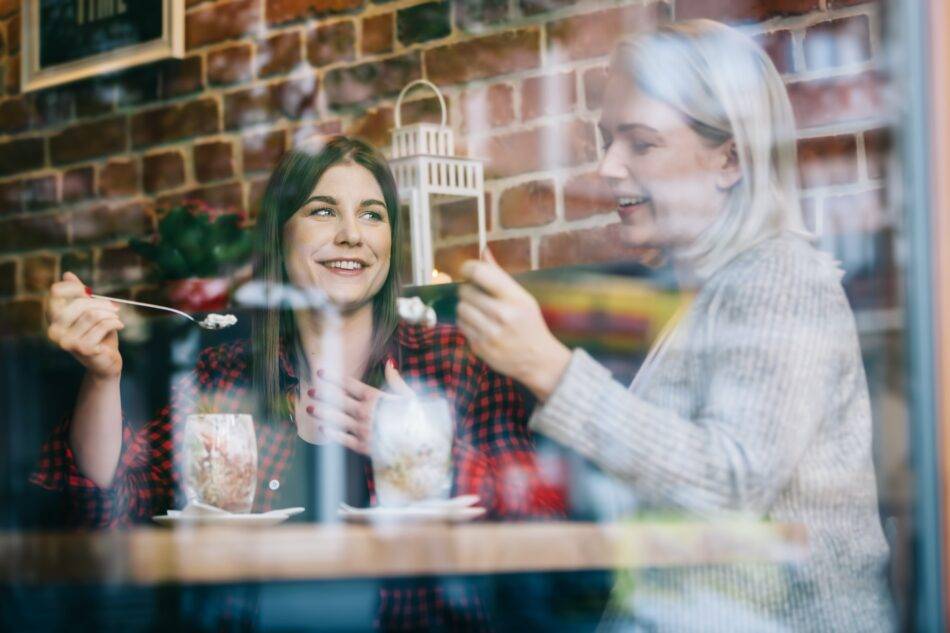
point(409, 86)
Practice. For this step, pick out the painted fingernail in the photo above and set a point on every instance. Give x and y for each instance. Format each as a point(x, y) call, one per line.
point(312, 393)
point(88, 291)
point(391, 363)
point(310, 410)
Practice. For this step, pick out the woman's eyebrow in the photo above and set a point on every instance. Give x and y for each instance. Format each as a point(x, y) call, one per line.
point(630, 127)
point(370, 202)
point(325, 199)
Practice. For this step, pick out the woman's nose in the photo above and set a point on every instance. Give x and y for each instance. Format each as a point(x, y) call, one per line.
point(348, 231)
point(611, 166)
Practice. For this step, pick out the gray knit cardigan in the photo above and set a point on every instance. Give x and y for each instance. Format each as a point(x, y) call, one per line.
point(755, 401)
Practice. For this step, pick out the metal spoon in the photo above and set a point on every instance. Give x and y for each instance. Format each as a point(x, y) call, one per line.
point(210, 322)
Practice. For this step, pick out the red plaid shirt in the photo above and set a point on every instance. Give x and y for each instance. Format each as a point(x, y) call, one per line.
point(493, 452)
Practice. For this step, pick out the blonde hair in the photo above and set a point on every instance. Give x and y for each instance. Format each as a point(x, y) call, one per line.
point(726, 87)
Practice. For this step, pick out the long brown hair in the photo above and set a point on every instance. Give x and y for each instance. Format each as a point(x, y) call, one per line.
point(273, 328)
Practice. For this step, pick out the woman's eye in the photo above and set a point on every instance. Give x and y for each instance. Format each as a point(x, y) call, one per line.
point(641, 147)
point(323, 212)
point(375, 216)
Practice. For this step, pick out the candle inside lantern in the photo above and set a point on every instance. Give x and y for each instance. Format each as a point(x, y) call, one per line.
point(440, 277)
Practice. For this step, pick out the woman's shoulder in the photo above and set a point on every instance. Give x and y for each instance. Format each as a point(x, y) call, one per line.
point(781, 263)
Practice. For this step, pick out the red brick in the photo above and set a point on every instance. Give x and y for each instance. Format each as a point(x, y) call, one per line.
point(223, 21)
point(828, 101)
point(374, 126)
point(475, 16)
point(21, 155)
point(449, 259)
point(377, 34)
point(21, 318)
point(106, 224)
point(878, 146)
point(595, 80)
point(226, 197)
point(487, 107)
point(586, 195)
point(262, 151)
point(484, 57)
point(742, 10)
point(119, 178)
point(12, 75)
point(595, 34)
point(460, 218)
point(8, 278)
point(778, 46)
point(229, 65)
point(39, 272)
point(514, 255)
point(293, 98)
point(174, 122)
point(78, 184)
point(279, 55)
point(332, 44)
point(180, 77)
point(837, 43)
point(548, 95)
point(89, 140)
point(583, 246)
point(534, 7)
point(77, 262)
point(119, 266)
point(371, 81)
point(280, 11)
point(837, 4)
point(213, 161)
point(539, 149)
point(29, 233)
point(427, 110)
point(863, 213)
point(528, 204)
point(163, 171)
point(829, 160)
point(16, 115)
point(40, 193)
point(11, 197)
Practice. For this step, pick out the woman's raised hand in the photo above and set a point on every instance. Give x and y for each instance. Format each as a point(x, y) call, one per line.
point(505, 328)
point(344, 407)
point(85, 327)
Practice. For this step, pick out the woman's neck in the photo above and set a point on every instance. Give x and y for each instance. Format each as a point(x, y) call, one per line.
point(352, 340)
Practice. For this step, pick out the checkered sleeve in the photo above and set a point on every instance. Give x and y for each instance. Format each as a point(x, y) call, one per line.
point(499, 462)
point(146, 478)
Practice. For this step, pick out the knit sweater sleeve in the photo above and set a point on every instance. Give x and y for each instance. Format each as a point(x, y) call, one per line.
point(770, 360)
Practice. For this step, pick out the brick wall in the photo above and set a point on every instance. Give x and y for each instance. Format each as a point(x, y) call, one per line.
point(87, 165)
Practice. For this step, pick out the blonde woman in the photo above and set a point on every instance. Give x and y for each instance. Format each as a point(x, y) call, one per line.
point(756, 400)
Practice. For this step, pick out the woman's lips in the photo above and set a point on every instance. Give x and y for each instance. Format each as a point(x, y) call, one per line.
point(629, 207)
point(345, 267)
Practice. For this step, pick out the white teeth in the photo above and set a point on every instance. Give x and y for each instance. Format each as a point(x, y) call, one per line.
point(625, 202)
point(345, 264)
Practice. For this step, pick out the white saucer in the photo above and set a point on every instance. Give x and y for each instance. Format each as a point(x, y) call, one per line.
point(264, 519)
point(454, 510)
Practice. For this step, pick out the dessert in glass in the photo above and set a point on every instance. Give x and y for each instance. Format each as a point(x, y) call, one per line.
point(221, 460)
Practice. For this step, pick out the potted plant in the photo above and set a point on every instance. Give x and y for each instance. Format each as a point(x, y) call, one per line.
point(197, 255)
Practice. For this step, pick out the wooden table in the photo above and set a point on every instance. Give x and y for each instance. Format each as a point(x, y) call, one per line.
point(146, 555)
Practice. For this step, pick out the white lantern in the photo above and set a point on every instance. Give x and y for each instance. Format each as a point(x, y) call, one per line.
point(426, 171)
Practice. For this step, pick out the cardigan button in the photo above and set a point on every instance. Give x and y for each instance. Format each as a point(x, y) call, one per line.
point(273, 484)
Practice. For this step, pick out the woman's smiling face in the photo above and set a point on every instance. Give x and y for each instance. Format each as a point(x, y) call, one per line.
point(669, 182)
point(340, 240)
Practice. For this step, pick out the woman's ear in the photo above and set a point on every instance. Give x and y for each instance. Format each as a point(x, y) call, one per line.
point(729, 170)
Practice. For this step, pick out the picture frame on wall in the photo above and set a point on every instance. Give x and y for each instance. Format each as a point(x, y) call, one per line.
point(68, 40)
